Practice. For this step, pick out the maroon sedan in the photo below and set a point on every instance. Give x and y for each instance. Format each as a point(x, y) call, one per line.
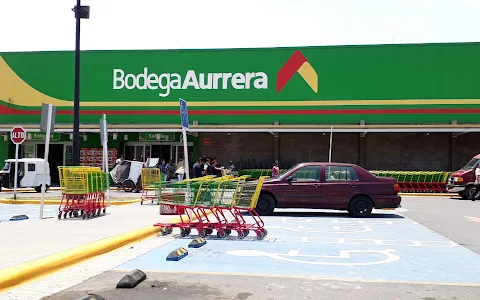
point(336, 186)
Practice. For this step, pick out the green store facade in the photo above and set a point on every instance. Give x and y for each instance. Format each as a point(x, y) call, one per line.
point(390, 107)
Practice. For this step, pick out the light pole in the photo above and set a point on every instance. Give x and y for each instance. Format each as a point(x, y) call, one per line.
point(81, 12)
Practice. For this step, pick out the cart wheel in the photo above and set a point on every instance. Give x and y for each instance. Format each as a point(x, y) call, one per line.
point(209, 231)
point(104, 210)
point(60, 216)
point(241, 234)
point(202, 233)
point(221, 233)
point(84, 215)
point(141, 202)
point(81, 212)
point(183, 232)
point(247, 232)
point(260, 235)
point(188, 231)
point(228, 231)
point(169, 230)
point(165, 231)
point(265, 232)
point(65, 215)
point(70, 214)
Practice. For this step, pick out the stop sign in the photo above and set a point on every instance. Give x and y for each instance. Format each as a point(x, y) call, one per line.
point(18, 135)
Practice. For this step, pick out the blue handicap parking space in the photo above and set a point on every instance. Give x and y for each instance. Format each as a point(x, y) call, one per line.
point(7, 211)
point(385, 247)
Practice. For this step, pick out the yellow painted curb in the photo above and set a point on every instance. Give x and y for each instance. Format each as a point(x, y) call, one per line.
point(428, 194)
point(22, 273)
point(57, 202)
point(34, 269)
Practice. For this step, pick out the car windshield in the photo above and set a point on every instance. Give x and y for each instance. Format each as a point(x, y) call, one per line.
point(471, 164)
point(281, 176)
point(6, 167)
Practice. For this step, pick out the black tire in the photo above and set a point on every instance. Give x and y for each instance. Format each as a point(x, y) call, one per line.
point(462, 194)
point(265, 205)
point(38, 189)
point(128, 186)
point(0, 188)
point(470, 191)
point(360, 206)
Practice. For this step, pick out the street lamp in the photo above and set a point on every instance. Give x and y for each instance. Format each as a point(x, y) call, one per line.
point(81, 12)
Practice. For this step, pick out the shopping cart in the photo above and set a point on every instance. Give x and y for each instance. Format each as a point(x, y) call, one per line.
point(149, 177)
point(214, 204)
point(83, 191)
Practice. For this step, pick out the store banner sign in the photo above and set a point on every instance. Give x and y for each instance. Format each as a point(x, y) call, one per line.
point(157, 136)
point(40, 136)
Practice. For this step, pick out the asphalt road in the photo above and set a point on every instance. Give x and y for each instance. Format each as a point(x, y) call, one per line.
point(454, 218)
point(219, 287)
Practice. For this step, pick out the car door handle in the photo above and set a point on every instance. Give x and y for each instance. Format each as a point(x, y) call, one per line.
point(316, 185)
point(353, 185)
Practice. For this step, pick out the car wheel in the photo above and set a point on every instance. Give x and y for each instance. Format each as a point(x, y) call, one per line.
point(462, 194)
point(360, 206)
point(265, 204)
point(470, 192)
point(128, 185)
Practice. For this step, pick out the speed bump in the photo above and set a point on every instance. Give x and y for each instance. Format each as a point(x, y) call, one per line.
point(19, 218)
point(197, 243)
point(177, 254)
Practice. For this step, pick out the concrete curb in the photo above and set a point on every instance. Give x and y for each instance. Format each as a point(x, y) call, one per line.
point(23, 273)
point(57, 202)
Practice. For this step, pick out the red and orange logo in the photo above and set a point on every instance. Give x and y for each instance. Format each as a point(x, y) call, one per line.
point(297, 63)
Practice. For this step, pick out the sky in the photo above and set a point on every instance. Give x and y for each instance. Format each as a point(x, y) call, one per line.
point(32, 25)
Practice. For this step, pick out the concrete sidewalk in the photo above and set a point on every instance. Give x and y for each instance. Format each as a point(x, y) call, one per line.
point(24, 241)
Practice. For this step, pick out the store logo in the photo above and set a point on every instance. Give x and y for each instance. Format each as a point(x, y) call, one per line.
point(297, 63)
point(164, 83)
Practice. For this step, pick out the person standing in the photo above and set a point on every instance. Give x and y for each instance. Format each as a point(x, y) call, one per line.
point(275, 169)
point(477, 183)
point(180, 169)
point(198, 168)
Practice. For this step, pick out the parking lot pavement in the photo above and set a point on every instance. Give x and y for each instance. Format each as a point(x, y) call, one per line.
point(452, 217)
point(306, 255)
point(31, 211)
point(386, 247)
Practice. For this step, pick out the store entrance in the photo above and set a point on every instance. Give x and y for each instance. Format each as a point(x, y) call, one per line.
point(162, 152)
point(55, 159)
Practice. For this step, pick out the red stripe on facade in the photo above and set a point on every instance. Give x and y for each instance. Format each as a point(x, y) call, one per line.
point(289, 69)
point(12, 111)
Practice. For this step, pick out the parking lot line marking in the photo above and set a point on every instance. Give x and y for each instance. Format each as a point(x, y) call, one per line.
point(293, 252)
point(417, 243)
point(307, 277)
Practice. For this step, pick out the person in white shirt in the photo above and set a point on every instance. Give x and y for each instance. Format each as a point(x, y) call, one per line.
point(180, 170)
point(477, 183)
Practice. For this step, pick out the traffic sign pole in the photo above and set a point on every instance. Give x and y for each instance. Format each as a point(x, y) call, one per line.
point(45, 162)
point(17, 135)
point(16, 173)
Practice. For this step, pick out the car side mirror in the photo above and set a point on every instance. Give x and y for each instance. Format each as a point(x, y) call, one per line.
point(290, 179)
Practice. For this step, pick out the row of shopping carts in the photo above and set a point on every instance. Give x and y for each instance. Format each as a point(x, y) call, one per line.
point(418, 181)
point(83, 191)
point(225, 204)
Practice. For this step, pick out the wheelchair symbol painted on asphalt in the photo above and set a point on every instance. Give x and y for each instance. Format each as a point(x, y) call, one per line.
point(335, 229)
point(345, 255)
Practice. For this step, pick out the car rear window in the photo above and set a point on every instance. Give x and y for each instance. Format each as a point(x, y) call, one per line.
point(340, 173)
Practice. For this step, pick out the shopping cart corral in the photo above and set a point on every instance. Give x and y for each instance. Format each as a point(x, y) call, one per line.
point(83, 192)
point(225, 204)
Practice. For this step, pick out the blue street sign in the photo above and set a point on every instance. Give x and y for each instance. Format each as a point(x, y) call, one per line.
point(184, 113)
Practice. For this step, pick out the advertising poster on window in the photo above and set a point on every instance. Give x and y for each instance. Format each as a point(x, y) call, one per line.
point(92, 157)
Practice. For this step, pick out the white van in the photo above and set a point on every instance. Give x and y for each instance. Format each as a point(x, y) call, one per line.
point(30, 174)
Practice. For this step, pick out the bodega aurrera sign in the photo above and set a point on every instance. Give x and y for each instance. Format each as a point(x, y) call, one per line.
point(165, 82)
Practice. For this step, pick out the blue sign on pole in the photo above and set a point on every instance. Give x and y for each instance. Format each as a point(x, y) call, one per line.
point(184, 113)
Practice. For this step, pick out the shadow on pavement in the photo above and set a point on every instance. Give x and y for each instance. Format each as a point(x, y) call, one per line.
point(334, 215)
